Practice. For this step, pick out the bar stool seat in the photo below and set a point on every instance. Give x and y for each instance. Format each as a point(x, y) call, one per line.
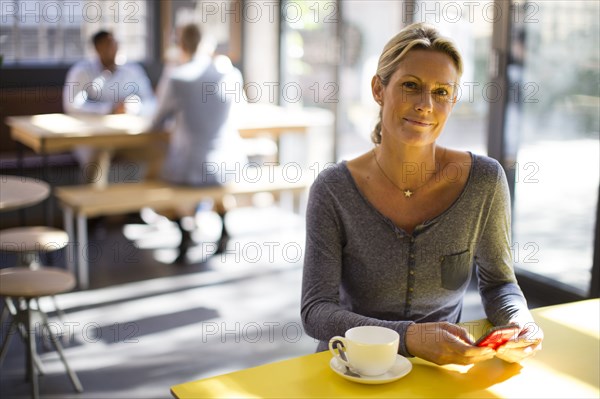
point(25, 286)
point(20, 282)
point(28, 243)
point(33, 239)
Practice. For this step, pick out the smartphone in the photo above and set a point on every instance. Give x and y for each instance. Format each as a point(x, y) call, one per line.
point(497, 336)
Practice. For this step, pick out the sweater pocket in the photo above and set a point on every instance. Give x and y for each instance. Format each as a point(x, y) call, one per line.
point(455, 269)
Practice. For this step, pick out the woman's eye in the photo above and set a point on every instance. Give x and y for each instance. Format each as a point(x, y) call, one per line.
point(442, 95)
point(410, 85)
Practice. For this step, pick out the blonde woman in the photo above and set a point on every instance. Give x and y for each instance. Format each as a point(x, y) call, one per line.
point(393, 234)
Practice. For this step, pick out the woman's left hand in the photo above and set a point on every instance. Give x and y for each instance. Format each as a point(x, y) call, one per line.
point(527, 343)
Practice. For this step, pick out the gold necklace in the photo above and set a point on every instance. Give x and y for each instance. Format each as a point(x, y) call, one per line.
point(406, 191)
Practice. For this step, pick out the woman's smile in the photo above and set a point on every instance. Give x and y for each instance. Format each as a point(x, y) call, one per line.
point(417, 122)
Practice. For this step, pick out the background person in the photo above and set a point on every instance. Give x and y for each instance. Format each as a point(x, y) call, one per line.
point(392, 235)
point(99, 86)
point(205, 148)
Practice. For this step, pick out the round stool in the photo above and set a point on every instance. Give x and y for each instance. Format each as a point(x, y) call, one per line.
point(29, 242)
point(19, 282)
point(18, 192)
point(25, 286)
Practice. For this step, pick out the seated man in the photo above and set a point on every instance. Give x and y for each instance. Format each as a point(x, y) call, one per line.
point(205, 148)
point(101, 86)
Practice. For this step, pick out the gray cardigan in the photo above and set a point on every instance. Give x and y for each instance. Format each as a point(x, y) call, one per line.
point(361, 269)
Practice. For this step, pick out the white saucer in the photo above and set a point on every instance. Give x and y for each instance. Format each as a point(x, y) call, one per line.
point(398, 370)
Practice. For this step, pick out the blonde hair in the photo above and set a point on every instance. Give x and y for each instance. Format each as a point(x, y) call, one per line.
point(415, 36)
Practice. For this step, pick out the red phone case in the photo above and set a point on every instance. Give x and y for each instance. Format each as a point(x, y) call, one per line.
point(497, 336)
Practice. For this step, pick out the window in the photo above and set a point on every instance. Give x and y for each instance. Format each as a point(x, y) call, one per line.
point(310, 53)
point(219, 21)
point(309, 73)
point(469, 25)
point(361, 43)
point(55, 32)
point(555, 129)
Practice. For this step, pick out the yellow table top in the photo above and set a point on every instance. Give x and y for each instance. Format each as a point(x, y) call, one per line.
point(567, 367)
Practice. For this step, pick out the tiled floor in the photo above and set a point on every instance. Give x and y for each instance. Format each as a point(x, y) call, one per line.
point(145, 325)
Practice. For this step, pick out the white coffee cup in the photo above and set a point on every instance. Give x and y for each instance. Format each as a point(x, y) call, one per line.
point(368, 350)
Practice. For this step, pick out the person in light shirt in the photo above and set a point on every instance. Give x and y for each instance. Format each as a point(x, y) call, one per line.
point(196, 99)
point(392, 236)
point(100, 86)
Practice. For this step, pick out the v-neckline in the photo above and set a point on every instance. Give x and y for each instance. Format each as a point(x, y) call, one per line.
point(424, 223)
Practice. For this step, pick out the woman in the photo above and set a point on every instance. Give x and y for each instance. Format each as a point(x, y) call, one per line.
point(392, 235)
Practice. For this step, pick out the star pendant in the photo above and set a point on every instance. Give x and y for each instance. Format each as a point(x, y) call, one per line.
point(408, 193)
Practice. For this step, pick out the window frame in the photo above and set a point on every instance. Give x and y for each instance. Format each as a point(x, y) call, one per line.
point(49, 74)
point(547, 289)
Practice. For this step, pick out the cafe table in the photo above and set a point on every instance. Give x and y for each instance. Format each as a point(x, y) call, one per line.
point(566, 367)
point(54, 133)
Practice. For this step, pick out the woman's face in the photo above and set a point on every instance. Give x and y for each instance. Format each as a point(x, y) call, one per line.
point(418, 98)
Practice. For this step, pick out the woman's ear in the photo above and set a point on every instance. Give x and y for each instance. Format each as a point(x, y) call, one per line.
point(377, 89)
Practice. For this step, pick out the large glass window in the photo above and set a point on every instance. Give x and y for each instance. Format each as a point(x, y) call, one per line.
point(310, 53)
point(362, 42)
point(555, 60)
point(46, 32)
point(469, 25)
point(220, 22)
point(309, 74)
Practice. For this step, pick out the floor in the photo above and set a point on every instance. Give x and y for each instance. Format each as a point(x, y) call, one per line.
point(145, 324)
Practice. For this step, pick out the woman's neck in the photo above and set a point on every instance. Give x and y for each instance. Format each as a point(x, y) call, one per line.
point(409, 167)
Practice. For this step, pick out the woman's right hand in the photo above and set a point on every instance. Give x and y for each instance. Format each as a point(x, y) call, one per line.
point(444, 343)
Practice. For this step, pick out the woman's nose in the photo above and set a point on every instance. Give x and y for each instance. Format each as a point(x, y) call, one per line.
point(424, 102)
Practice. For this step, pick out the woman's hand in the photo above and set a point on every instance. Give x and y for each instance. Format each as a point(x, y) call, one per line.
point(444, 343)
point(528, 342)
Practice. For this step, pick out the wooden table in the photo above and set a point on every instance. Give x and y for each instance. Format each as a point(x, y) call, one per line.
point(567, 367)
point(254, 120)
point(54, 133)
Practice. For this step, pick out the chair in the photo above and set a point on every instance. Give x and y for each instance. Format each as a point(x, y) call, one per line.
point(28, 243)
point(21, 288)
